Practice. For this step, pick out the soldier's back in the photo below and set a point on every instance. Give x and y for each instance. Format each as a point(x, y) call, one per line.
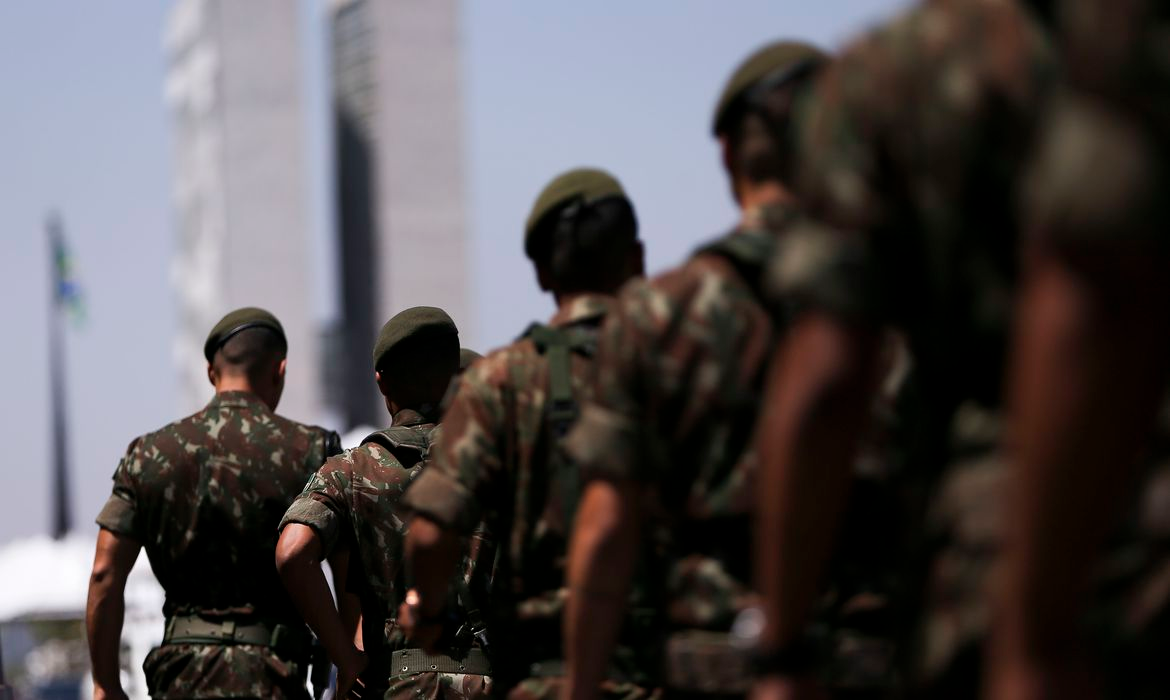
point(204, 496)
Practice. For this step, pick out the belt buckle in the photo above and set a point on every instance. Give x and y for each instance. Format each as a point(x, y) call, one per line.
point(228, 629)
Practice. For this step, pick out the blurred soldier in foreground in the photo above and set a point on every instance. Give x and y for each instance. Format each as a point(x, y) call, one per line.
point(665, 439)
point(498, 457)
point(911, 154)
point(1090, 364)
point(204, 496)
point(352, 504)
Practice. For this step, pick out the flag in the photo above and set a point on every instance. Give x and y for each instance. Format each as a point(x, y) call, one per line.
point(67, 295)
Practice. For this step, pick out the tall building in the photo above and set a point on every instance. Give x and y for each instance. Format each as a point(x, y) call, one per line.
point(241, 185)
point(400, 195)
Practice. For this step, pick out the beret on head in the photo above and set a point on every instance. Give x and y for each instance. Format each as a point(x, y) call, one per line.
point(466, 357)
point(587, 184)
point(240, 320)
point(777, 62)
point(413, 323)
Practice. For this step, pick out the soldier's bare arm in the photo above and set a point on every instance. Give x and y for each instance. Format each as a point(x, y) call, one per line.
point(432, 552)
point(818, 397)
point(605, 543)
point(105, 609)
point(298, 560)
point(1090, 361)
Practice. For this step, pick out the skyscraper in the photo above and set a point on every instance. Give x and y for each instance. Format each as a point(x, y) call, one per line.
point(241, 186)
point(400, 194)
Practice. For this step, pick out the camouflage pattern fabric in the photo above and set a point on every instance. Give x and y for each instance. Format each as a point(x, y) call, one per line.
point(1104, 158)
point(492, 462)
point(204, 495)
point(679, 371)
point(354, 501)
point(439, 686)
point(917, 148)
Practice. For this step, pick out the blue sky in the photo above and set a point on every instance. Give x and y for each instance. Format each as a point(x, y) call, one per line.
point(628, 86)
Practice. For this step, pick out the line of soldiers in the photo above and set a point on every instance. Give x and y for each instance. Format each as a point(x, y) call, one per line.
point(784, 468)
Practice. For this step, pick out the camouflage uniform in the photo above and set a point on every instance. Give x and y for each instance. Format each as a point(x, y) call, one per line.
point(203, 496)
point(493, 462)
point(354, 502)
point(916, 148)
point(680, 365)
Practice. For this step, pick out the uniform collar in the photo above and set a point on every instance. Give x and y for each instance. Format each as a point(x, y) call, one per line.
point(238, 399)
point(585, 307)
point(410, 417)
point(769, 217)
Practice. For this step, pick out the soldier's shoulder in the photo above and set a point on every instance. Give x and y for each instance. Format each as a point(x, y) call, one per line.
point(504, 366)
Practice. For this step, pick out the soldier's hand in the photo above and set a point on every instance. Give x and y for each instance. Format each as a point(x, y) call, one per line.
point(420, 630)
point(349, 671)
point(100, 693)
point(787, 688)
point(1026, 681)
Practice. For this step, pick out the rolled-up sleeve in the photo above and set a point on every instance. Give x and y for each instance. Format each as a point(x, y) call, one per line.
point(322, 504)
point(120, 513)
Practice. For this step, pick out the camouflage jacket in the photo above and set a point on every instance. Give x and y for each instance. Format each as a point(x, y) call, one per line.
point(354, 502)
point(912, 149)
point(679, 371)
point(204, 496)
point(492, 463)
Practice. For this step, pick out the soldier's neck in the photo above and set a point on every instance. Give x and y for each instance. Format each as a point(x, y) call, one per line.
point(229, 382)
point(566, 300)
point(756, 196)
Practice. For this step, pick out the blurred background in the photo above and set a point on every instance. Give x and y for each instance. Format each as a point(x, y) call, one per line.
point(333, 161)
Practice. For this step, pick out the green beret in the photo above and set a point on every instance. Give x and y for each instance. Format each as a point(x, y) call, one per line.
point(466, 357)
point(239, 320)
point(415, 322)
point(777, 62)
point(587, 184)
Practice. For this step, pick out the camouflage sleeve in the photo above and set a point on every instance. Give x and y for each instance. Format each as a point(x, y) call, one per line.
point(324, 503)
point(120, 513)
point(608, 439)
point(825, 262)
point(465, 461)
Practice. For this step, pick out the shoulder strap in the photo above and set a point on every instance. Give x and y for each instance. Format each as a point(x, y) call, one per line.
point(558, 345)
point(409, 445)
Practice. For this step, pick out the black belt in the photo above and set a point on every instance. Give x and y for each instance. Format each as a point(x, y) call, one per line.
point(285, 639)
point(408, 662)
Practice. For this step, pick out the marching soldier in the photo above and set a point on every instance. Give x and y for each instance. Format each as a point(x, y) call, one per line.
point(351, 513)
point(203, 496)
point(498, 458)
point(665, 438)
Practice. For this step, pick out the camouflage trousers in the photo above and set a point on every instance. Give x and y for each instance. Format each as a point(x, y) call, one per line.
point(439, 686)
point(222, 671)
point(551, 688)
point(1127, 626)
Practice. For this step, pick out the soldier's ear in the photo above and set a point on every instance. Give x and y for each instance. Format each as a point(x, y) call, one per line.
point(638, 259)
point(281, 369)
point(543, 278)
point(211, 374)
point(381, 382)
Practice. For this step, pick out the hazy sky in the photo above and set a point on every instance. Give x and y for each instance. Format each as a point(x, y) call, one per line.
point(628, 86)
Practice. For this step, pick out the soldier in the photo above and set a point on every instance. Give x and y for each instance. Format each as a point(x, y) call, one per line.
point(497, 458)
point(1091, 354)
point(666, 436)
point(352, 504)
point(911, 152)
point(204, 495)
point(466, 357)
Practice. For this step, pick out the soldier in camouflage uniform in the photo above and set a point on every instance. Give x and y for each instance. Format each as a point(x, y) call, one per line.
point(665, 440)
point(1092, 344)
point(497, 456)
point(204, 495)
point(353, 505)
point(914, 152)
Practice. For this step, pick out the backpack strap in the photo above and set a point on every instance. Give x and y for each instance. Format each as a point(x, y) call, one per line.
point(409, 445)
point(558, 345)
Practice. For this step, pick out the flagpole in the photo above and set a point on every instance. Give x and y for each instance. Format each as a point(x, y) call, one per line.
point(60, 480)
